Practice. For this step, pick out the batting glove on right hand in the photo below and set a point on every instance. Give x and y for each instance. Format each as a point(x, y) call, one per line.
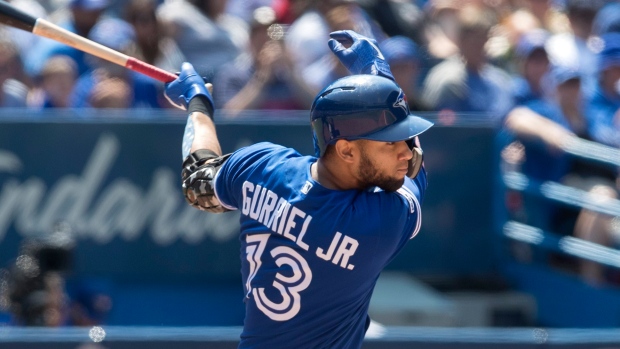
point(363, 57)
point(188, 85)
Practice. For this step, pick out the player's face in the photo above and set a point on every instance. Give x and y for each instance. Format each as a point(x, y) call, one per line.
point(383, 164)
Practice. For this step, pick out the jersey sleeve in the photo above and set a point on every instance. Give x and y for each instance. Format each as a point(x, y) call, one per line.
point(241, 165)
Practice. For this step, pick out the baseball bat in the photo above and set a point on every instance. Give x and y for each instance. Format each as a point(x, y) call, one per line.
point(13, 17)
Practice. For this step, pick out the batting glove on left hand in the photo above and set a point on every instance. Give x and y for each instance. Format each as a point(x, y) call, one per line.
point(188, 85)
point(363, 57)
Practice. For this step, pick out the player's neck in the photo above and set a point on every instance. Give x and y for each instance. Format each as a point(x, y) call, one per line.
point(329, 177)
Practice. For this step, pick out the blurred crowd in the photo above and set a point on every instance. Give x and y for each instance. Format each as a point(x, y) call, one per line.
point(469, 56)
point(546, 72)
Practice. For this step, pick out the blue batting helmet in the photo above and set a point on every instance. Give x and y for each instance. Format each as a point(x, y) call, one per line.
point(363, 107)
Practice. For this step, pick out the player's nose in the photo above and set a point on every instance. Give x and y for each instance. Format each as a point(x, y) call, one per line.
point(404, 153)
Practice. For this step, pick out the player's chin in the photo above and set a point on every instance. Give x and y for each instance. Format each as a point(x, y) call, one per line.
point(391, 185)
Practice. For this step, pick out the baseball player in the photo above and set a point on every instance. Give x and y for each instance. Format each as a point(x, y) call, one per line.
point(315, 231)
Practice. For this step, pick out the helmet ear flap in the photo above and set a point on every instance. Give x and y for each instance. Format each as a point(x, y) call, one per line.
point(317, 147)
point(415, 164)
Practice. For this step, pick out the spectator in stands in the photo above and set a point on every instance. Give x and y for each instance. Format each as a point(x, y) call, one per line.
point(57, 80)
point(154, 45)
point(441, 28)
point(467, 82)
point(207, 36)
point(571, 48)
point(402, 54)
point(547, 14)
point(15, 58)
point(264, 78)
point(305, 38)
point(545, 127)
point(13, 92)
point(111, 92)
point(84, 14)
point(603, 111)
point(604, 102)
point(144, 92)
point(327, 67)
point(532, 64)
point(397, 18)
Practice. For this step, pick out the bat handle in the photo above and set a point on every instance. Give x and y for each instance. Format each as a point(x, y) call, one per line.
point(149, 70)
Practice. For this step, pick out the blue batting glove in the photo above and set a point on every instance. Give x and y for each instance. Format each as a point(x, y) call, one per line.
point(363, 57)
point(188, 85)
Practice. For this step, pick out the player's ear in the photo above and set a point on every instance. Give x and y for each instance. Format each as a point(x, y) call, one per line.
point(344, 149)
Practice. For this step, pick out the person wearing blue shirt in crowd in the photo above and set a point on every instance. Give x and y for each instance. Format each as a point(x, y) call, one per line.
point(316, 231)
point(13, 93)
point(545, 127)
point(141, 91)
point(603, 104)
point(467, 81)
point(55, 85)
point(603, 112)
point(532, 65)
point(264, 77)
point(574, 48)
point(84, 14)
point(541, 126)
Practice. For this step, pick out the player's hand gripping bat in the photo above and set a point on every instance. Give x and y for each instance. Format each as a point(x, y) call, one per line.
point(13, 17)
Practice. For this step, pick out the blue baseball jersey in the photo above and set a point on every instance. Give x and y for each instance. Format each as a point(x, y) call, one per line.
point(310, 255)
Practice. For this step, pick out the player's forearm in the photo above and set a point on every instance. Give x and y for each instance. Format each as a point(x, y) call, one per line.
point(205, 136)
point(200, 130)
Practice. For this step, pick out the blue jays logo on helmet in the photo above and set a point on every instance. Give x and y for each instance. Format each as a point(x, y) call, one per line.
point(401, 102)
